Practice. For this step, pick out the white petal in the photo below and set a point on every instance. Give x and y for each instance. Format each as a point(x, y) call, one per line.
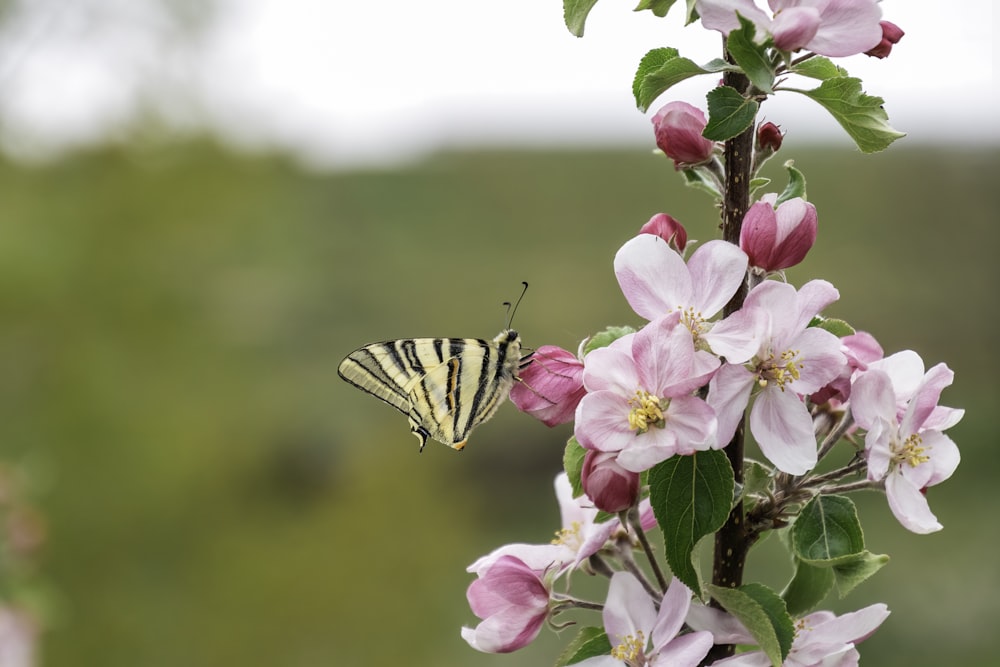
point(654, 279)
point(909, 506)
point(781, 425)
point(717, 270)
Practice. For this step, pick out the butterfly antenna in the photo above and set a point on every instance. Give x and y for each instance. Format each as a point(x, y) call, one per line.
point(513, 309)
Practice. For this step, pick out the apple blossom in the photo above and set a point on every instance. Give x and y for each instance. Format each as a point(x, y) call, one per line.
point(639, 401)
point(908, 451)
point(828, 27)
point(656, 281)
point(778, 237)
point(641, 636)
point(860, 349)
point(822, 639)
point(678, 127)
point(513, 601)
point(551, 385)
point(792, 360)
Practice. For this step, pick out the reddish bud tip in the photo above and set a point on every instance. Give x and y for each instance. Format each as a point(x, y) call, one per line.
point(668, 229)
point(611, 487)
point(769, 137)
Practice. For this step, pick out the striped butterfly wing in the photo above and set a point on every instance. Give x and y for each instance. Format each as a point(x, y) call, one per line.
point(445, 386)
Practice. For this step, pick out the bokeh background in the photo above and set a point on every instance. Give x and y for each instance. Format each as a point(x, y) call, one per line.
point(178, 283)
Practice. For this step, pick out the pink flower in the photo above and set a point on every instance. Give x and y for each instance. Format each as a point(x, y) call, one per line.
point(641, 635)
point(513, 601)
point(611, 487)
point(778, 238)
point(551, 386)
point(656, 281)
point(822, 639)
point(891, 34)
point(792, 360)
point(678, 127)
point(905, 445)
point(833, 28)
point(668, 229)
point(861, 349)
point(639, 401)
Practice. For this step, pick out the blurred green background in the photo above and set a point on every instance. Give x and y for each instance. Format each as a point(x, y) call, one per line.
point(171, 319)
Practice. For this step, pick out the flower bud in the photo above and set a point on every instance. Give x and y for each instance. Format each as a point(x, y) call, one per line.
point(668, 229)
point(769, 137)
point(678, 127)
point(776, 239)
point(513, 601)
point(551, 386)
point(611, 487)
point(891, 34)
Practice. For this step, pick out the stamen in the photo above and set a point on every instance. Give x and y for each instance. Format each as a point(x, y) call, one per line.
point(781, 371)
point(568, 536)
point(910, 451)
point(632, 647)
point(646, 411)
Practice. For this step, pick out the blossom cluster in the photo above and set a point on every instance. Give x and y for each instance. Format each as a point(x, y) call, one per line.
point(725, 341)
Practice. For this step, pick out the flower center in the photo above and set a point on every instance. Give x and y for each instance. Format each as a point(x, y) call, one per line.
point(780, 371)
point(569, 537)
point(631, 648)
point(910, 451)
point(693, 320)
point(646, 411)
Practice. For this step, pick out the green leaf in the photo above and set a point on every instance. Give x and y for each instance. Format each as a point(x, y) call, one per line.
point(573, 464)
point(660, 69)
point(818, 68)
point(827, 531)
point(691, 496)
point(575, 14)
point(849, 575)
point(658, 7)
point(838, 328)
point(758, 183)
point(729, 114)
point(796, 184)
point(756, 479)
point(861, 115)
point(605, 338)
point(696, 178)
point(763, 614)
point(751, 57)
point(588, 643)
point(807, 588)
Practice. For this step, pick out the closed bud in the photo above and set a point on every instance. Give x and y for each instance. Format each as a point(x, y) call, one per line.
point(769, 137)
point(678, 127)
point(778, 238)
point(891, 34)
point(551, 386)
point(668, 229)
point(610, 487)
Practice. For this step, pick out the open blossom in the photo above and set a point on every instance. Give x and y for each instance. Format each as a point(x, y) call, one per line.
point(905, 446)
point(792, 360)
point(640, 400)
point(822, 639)
point(828, 27)
point(513, 601)
point(640, 635)
point(551, 385)
point(778, 237)
point(678, 127)
point(656, 280)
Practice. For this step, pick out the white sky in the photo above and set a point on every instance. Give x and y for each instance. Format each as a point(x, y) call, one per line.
point(356, 82)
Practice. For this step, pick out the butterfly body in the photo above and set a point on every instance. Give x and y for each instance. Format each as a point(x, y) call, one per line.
point(445, 386)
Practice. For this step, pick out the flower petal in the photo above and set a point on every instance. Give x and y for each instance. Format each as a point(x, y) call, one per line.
point(602, 422)
point(781, 424)
point(909, 506)
point(673, 610)
point(728, 395)
point(628, 609)
point(654, 279)
point(717, 270)
point(684, 651)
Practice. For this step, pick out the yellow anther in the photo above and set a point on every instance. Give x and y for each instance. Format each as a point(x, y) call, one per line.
point(568, 536)
point(632, 647)
point(646, 411)
point(911, 451)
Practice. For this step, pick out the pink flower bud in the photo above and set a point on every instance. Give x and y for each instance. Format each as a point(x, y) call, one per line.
point(607, 484)
point(513, 601)
point(891, 34)
point(860, 349)
point(668, 229)
point(769, 137)
point(776, 239)
point(551, 386)
point(678, 127)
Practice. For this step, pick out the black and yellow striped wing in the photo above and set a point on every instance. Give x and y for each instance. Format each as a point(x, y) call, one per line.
point(445, 386)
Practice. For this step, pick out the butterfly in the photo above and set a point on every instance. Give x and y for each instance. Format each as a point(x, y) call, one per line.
point(445, 386)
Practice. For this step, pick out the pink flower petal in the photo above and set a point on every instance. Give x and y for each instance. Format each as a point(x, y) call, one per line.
point(684, 651)
point(717, 270)
point(728, 396)
point(628, 609)
point(783, 428)
point(909, 506)
point(654, 279)
point(602, 422)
